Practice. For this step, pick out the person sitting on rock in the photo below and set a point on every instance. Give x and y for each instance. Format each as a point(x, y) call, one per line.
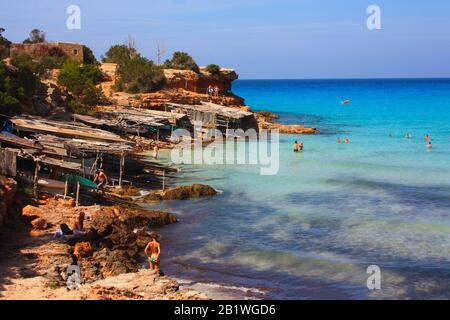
point(153, 250)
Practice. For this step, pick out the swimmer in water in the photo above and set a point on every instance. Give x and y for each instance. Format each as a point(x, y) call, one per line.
point(296, 146)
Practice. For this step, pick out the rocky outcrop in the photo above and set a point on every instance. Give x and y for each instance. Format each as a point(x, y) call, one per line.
point(291, 128)
point(114, 238)
point(266, 120)
point(143, 285)
point(199, 82)
point(49, 100)
point(182, 86)
point(158, 100)
point(181, 193)
point(8, 189)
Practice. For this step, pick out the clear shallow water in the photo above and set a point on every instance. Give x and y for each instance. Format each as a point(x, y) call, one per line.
point(313, 229)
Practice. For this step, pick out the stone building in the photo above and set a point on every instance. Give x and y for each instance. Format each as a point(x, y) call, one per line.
point(71, 50)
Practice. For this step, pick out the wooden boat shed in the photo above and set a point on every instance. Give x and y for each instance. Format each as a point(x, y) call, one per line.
point(215, 116)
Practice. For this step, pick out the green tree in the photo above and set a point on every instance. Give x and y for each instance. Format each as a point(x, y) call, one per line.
point(4, 44)
point(41, 65)
point(139, 75)
point(3, 40)
point(88, 56)
point(120, 54)
point(80, 80)
point(25, 74)
point(36, 36)
point(213, 68)
point(183, 61)
point(17, 84)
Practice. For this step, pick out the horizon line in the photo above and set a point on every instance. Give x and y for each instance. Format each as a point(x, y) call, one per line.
point(375, 78)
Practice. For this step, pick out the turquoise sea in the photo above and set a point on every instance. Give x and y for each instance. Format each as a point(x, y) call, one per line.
point(311, 231)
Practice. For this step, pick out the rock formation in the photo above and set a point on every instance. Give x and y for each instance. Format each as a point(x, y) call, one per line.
point(181, 193)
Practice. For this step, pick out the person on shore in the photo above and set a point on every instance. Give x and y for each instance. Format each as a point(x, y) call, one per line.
point(155, 151)
point(427, 137)
point(79, 222)
point(429, 145)
point(216, 91)
point(153, 251)
point(102, 180)
point(210, 90)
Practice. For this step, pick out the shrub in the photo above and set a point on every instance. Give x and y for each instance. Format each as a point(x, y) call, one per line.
point(49, 59)
point(181, 60)
point(15, 86)
point(36, 36)
point(213, 68)
point(80, 80)
point(76, 77)
point(4, 44)
point(88, 56)
point(3, 40)
point(139, 75)
point(119, 54)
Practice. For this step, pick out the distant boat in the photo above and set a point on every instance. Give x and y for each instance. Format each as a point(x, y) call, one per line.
point(345, 101)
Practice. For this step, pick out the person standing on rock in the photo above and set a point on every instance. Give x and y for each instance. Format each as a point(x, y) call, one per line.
point(153, 250)
point(155, 151)
point(102, 180)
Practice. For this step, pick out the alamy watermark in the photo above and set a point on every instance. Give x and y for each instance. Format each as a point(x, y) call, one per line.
point(73, 281)
point(374, 20)
point(236, 147)
point(73, 21)
point(374, 280)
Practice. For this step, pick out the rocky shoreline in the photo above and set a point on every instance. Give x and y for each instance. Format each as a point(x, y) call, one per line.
point(109, 253)
point(73, 142)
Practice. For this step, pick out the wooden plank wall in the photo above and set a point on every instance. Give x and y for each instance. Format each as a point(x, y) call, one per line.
point(8, 163)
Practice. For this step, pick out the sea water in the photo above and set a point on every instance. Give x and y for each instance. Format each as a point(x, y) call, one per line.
point(312, 230)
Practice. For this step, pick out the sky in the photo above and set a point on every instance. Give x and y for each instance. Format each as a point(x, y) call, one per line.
point(260, 39)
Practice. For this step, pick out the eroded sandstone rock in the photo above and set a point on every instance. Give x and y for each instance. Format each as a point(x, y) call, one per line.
point(181, 193)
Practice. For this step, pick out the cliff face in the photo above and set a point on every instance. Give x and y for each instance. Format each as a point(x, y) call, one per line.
point(199, 82)
point(182, 86)
point(8, 188)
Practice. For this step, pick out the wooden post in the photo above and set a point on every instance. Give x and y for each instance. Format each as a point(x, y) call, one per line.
point(66, 187)
point(164, 180)
point(82, 163)
point(121, 167)
point(35, 182)
point(78, 193)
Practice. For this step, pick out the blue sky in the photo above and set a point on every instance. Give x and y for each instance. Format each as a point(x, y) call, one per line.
point(261, 39)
